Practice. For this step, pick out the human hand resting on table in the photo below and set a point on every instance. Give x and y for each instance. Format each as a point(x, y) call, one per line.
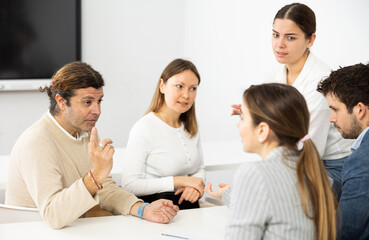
point(218, 193)
point(236, 109)
point(192, 182)
point(188, 193)
point(160, 211)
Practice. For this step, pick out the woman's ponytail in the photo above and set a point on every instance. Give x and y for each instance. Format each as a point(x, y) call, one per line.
point(314, 187)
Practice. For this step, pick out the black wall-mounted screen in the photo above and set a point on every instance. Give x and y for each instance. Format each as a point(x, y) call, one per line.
point(37, 37)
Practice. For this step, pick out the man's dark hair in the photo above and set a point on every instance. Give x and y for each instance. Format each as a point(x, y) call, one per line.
point(70, 77)
point(349, 84)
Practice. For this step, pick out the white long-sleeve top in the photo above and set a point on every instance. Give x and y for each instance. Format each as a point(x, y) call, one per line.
point(155, 153)
point(327, 139)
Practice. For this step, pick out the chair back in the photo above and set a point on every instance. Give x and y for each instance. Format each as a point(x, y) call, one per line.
point(12, 214)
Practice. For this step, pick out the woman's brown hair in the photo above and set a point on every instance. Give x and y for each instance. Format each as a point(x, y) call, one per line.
point(175, 67)
point(284, 109)
point(301, 14)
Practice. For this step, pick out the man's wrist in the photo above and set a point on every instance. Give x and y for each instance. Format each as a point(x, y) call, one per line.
point(93, 178)
point(141, 210)
point(90, 185)
point(97, 176)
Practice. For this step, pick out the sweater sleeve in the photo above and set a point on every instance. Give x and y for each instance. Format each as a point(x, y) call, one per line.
point(58, 206)
point(250, 206)
point(133, 174)
point(115, 199)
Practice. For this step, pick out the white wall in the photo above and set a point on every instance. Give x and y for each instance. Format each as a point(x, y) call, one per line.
point(131, 41)
point(230, 41)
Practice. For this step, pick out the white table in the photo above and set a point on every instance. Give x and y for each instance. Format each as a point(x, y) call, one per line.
point(203, 223)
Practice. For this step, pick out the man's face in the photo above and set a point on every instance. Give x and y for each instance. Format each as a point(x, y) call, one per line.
point(345, 122)
point(83, 111)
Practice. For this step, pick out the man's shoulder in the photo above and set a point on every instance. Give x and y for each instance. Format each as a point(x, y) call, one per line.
point(359, 159)
point(364, 145)
point(365, 140)
point(40, 131)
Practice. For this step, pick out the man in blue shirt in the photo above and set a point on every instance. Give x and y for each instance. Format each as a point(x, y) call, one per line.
point(347, 93)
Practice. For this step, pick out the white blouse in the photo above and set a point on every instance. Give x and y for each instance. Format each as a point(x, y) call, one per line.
point(327, 139)
point(155, 153)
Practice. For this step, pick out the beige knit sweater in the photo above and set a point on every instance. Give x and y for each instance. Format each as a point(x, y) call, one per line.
point(46, 171)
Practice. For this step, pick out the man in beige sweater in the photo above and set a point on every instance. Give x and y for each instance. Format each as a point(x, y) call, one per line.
point(59, 166)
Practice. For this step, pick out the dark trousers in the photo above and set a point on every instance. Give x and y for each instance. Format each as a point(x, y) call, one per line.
point(170, 196)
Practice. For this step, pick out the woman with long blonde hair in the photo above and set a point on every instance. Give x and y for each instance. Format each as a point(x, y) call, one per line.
point(164, 157)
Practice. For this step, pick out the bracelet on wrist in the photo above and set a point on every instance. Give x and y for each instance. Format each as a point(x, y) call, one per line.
point(141, 209)
point(91, 174)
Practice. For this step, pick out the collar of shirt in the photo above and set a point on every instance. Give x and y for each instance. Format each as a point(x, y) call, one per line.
point(304, 71)
point(359, 139)
point(79, 137)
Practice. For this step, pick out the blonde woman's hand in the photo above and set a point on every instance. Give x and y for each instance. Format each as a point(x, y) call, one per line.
point(188, 194)
point(193, 182)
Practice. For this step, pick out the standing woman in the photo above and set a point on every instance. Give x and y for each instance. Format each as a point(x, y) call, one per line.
point(286, 195)
point(164, 156)
point(293, 34)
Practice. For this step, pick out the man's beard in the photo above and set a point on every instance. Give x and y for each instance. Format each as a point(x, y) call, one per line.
point(354, 131)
